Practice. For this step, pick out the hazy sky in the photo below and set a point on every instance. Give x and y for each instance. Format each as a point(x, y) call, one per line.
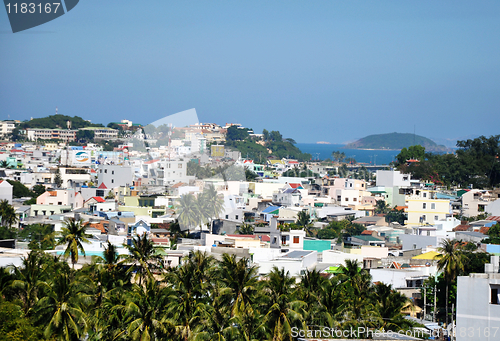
point(314, 70)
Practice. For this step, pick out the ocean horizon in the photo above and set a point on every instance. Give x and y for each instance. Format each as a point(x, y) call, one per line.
point(320, 151)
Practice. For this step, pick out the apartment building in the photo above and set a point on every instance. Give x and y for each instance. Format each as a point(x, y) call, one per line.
point(423, 207)
point(6, 128)
point(34, 134)
point(102, 133)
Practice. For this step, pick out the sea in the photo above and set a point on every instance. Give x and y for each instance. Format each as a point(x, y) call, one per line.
point(369, 156)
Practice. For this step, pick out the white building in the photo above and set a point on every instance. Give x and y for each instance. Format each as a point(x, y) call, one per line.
point(478, 304)
point(392, 178)
point(115, 175)
point(5, 191)
point(424, 207)
point(170, 172)
point(6, 128)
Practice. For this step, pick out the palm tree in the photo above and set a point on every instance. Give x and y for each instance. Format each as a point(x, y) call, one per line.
point(188, 212)
point(7, 214)
point(304, 220)
point(246, 229)
point(357, 286)
point(241, 279)
point(451, 262)
point(142, 255)
point(389, 304)
point(145, 311)
point(284, 311)
point(214, 202)
point(29, 280)
point(190, 284)
point(73, 235)
point(61, 311)
point(381, 207)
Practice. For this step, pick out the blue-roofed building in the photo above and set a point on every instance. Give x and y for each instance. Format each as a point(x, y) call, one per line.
point(268, 212)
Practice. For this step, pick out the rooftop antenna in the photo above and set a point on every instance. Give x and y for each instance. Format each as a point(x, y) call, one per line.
point(169, 140)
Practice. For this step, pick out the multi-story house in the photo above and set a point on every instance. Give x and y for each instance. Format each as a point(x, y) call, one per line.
point(6, 128)
point(474, 202)
point(115, 175)
point(102, 133)
point(423, 206)
point(34, 134)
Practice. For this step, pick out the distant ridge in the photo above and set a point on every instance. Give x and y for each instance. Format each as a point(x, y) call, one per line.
point(394, 141)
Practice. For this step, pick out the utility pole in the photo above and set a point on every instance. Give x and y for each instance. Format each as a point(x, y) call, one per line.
point(435, 289)
point(452, 329)
point(425, 302)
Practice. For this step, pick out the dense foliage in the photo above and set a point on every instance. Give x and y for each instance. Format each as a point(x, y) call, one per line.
point(201, 299)
point(272, 144)
point(57, 122)
point(340, 229)
point(476, 162)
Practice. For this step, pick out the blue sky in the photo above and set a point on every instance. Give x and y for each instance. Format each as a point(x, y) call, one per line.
point(314, 70)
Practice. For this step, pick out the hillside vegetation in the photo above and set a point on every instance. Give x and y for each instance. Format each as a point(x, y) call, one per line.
point(58, 121)
point(394, 141)
point(271, 145)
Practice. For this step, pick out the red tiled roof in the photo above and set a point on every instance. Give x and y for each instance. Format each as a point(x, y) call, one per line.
point(367, 232)
point(151, 161)
point(179, 184)
point(99, 199)
point(102, 186)
point(462, 228)
point(484, 230)
point(93, 171)
point(494, 218)
point(295, 185)
point(265, 238)
point(400, 208)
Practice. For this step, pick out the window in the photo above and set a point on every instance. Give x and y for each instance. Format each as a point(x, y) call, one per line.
point(296, 239)
point(112, 181)
point(425, 195)
point(227, 216)
point(59, 203)
point(494, 295)
point(346, 199)
point(436, 217)
point(433, 206)
point(428, 233)
point(106, 171)
point(355, 199)
point(112, 172)
point(236, 217)
point(180, 165)
point(424, 205)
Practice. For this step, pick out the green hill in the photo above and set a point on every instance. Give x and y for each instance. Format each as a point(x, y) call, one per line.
point(394, 141)
point(58, 121)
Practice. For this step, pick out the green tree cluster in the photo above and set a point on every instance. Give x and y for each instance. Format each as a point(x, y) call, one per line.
point(476, 162)
point(196, 210)
point(274, 145)
point(58, 122)
point(340, 230)
point(201, 299)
